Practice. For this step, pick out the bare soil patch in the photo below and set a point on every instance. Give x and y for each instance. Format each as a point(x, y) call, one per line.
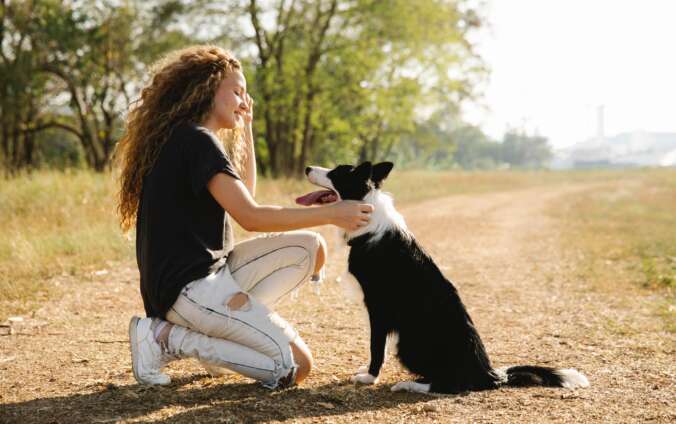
point(69, 361)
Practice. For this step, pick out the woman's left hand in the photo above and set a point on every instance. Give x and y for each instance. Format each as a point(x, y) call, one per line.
point(248, 115)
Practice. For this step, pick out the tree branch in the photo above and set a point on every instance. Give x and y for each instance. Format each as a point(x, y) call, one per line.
point(53, 124)
point(261, 37)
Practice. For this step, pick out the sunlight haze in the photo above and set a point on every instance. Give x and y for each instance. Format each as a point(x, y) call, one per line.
point(554, 62)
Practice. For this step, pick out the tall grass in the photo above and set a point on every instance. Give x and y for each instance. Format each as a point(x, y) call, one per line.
point(52, 224)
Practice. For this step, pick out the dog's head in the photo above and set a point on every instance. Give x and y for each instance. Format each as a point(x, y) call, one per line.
point(344, 182)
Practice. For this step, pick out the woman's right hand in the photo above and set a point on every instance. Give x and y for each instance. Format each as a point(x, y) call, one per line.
point(350, 214)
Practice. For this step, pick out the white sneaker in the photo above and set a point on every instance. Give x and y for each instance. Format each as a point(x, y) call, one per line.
point(147, 357)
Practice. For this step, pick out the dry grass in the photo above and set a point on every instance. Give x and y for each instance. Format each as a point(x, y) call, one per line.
point(524, 284)
point(59, 224)
point(54, 224)
point(624, 231)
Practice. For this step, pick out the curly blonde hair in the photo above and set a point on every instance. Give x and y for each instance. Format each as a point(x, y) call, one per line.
point(181, 91)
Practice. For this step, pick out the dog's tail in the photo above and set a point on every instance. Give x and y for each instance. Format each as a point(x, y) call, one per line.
point(531, 375)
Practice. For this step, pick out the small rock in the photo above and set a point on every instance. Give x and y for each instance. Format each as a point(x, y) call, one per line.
point(7, 359)
point(326, 405)
point(130, 394)
point(429, 408)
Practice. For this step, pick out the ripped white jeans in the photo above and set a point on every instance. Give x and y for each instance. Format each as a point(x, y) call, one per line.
point(251, 340)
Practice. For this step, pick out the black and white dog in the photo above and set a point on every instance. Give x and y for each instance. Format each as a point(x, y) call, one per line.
point(406, 295)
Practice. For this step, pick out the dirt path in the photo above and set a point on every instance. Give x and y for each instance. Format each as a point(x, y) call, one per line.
point(70, 361)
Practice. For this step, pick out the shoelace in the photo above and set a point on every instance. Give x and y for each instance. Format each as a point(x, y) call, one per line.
point(289, 380)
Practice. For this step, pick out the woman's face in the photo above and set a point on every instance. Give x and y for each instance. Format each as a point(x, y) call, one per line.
point(229, 102)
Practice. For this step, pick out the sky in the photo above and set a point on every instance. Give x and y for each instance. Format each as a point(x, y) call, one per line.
point(553, 62)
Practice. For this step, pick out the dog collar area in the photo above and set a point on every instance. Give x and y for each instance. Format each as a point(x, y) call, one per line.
point(359, 240)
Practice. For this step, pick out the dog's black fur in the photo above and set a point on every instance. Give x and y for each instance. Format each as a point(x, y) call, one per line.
point(406, 293)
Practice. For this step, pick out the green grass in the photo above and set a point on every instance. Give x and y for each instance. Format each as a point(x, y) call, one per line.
point(64, 223)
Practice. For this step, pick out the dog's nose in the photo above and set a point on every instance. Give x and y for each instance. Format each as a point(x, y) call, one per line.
point(307, 170)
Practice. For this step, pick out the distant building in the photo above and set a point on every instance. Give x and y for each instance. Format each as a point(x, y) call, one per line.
point(632, 149)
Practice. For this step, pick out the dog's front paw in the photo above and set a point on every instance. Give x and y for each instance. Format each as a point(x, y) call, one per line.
point(411, 386)
point(364, 378)
point(363, 369)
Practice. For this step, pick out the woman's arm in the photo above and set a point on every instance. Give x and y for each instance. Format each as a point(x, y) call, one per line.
point(236, 199)
point(250, 165)
point(249, 147)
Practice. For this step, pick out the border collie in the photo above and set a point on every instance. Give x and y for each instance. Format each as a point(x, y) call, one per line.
point(407, 296)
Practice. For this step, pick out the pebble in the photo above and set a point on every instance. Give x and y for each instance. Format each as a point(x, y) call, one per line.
point(430, 408)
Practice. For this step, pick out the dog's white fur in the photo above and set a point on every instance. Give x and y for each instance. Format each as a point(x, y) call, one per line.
point(383, 218)
point(364, 378)
point(572, 378)
point(411, 386)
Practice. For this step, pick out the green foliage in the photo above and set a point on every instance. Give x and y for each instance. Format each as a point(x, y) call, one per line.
point(334, 80)
point(73, 66)
point(58, 150)
point(525, 151)
point(445, 142)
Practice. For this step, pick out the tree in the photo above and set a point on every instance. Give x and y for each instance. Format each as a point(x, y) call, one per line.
point(352, 73)
point(21, 91)
point(521, 150)
point(91, 60)
point(75, 66)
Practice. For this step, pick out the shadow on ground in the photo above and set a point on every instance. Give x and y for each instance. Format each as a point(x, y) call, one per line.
point(209, 402)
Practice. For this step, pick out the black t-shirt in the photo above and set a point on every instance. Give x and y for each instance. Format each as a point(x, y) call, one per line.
point(182, 233)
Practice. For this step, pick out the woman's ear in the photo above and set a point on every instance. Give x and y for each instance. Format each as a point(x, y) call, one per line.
point(380, 172)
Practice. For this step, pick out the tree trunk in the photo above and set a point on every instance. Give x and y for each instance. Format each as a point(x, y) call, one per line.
point(307, 132)
point(362, 151)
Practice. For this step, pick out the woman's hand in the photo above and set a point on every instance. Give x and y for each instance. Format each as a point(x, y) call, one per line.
point(350, 214)
point(248, 114)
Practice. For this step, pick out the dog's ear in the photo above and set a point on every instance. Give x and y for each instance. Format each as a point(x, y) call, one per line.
point(380, 172)
point(363, 171)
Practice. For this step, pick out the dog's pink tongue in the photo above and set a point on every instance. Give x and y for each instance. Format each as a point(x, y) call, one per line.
point(312, 198)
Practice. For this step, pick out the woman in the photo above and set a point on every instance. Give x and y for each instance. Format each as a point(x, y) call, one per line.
point(188, 164)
